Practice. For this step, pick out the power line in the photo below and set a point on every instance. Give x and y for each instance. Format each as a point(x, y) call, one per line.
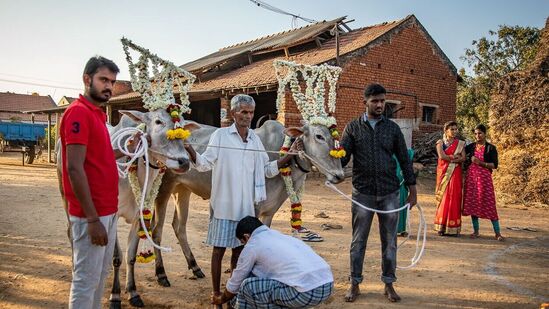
point(38, 84)
point(34, 78)
point(280, 11)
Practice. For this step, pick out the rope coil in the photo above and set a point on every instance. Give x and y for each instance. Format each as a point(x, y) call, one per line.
point(118, 140)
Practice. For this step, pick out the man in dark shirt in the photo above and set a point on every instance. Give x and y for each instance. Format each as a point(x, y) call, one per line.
point(372, 140)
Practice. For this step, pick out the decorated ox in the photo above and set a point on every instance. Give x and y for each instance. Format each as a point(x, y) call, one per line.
point(162, 152)
point(317, 141)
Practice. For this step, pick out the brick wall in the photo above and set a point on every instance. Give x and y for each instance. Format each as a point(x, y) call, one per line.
point(407, 64)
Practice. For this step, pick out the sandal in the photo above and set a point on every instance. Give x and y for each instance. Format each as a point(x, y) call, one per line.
point(499, 237)
point(303, 230)
point(474, 236)
point(312, 237)
point(331, 226)
point(321, 215)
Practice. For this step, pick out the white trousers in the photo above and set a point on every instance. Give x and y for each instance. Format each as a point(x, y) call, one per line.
point(91, 263)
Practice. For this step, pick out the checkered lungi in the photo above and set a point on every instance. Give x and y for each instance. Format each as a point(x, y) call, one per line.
point(222, 233)
point(271, 294)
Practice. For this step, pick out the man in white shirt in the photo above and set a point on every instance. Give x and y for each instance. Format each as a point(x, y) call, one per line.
point(275, 270)
point(238, 180)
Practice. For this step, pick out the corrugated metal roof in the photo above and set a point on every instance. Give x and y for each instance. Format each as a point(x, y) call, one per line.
point(273, 41)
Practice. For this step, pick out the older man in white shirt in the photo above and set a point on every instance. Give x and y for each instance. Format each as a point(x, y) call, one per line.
point(238, 180)
point(275, 271)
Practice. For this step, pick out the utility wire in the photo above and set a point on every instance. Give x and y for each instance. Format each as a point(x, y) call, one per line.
point(280, 11)
point(38, 84)
point(40, 79)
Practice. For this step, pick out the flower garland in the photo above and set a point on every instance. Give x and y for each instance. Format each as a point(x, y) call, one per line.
point(310, 103)
point(158, 94)
point(295, 196)
point(146, 253)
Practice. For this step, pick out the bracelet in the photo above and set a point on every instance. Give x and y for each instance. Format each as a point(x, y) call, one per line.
point(93, 221)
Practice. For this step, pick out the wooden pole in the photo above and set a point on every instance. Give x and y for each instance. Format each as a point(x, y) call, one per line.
point(108, 111)
point(49, 138)
point(337, 44)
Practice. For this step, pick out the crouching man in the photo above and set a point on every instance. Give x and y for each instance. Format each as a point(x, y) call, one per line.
point(275, 270)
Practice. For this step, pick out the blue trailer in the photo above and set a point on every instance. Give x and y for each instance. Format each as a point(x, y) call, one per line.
point(23, 137)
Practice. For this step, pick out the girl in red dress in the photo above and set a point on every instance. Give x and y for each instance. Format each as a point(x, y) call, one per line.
point(480, 200)
point(451, 153)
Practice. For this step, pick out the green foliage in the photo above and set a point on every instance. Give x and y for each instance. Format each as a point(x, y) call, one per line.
point(507, 50)
point(53, 137)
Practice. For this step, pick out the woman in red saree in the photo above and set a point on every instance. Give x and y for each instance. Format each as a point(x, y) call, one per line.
point(449, 193)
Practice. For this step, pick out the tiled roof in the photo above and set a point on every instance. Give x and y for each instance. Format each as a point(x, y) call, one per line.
point(261, 73)
point(71, 99)
point(24, 102)
point(12, 105)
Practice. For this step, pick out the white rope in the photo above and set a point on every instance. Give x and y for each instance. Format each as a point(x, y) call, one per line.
point(422, 226)
point(118, 140)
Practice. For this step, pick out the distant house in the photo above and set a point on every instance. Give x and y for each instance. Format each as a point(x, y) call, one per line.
point(12, 106)
point(65, 101)
point(401, 55)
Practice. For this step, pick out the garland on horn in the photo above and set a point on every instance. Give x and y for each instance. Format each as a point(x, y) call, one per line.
point(157, 92)
point(311, 104)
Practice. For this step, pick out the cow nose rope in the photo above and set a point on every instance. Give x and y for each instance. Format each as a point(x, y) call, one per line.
point(118, 140)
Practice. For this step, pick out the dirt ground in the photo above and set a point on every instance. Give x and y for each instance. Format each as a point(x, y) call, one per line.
point(455, 272)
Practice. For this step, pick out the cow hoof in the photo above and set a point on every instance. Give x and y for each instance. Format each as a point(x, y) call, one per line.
point(163, 282)
point(198, 273)
point(115, 304)
point(136, 301)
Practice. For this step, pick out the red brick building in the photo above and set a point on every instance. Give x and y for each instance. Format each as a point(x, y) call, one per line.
point(401, 55)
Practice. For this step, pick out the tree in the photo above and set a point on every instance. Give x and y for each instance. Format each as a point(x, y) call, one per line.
point(507, 50)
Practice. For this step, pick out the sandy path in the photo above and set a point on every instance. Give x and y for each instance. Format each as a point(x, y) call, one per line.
point(454, 273)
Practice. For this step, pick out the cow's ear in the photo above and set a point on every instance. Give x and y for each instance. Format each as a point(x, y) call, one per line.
point(136, 116)
point(191, 126)
point(293, 131)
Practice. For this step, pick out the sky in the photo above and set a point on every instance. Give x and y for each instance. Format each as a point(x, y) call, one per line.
point(48, 42)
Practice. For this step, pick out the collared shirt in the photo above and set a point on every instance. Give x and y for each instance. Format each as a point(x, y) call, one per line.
point(233, 178)
point(272, 255)
point(85, 124)
point(374, 170)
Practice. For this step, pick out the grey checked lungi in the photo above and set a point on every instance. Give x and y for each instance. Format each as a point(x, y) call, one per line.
point(271, 294)
point(222, 233)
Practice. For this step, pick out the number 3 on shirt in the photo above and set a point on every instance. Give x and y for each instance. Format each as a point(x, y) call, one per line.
point(75, 127)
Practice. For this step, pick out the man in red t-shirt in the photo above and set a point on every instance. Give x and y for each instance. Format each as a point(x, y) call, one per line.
point(90, 183)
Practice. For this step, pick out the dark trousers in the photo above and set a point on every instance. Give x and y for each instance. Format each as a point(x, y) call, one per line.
point(362, 221)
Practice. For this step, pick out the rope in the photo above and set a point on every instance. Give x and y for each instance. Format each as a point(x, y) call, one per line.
point(422, 226)
point(118, 140)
